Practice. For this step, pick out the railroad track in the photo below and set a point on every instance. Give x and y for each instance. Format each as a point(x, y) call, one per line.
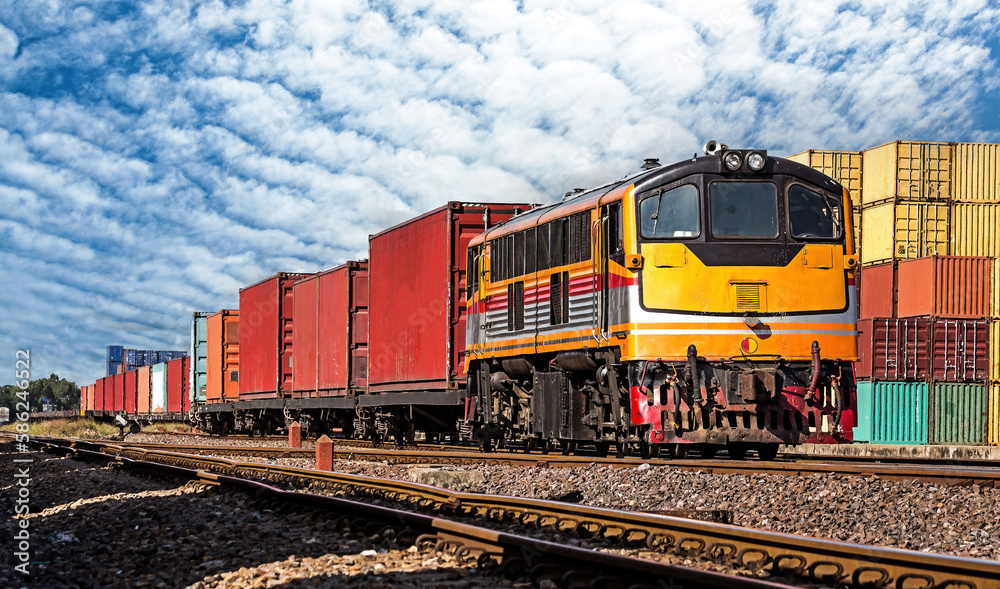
point(934, 472)
point(782, 556)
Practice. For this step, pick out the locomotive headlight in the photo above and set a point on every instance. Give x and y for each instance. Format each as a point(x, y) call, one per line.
point(732, 160)
point(756, 161)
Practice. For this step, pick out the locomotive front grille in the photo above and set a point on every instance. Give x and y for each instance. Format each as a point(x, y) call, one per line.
point(748, 297)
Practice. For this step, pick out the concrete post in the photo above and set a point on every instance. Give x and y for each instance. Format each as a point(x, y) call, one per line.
point(324, 454)
point(295, 435)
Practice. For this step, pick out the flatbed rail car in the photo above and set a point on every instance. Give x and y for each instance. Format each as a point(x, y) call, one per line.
point(710, 302)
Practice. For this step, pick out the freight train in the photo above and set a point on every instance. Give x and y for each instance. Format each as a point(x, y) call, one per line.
point(706, 304)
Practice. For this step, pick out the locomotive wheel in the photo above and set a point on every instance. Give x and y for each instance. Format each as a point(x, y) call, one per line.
point(620, 450)
point(568, 448)
point(767, 452)
point(602, 449)
point(678, 450)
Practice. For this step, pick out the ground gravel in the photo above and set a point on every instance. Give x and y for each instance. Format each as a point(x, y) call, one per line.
point(94, 526)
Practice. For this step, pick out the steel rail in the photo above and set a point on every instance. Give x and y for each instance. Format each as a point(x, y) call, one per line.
point(819, 560)
point(951, 474)
point(515, 555)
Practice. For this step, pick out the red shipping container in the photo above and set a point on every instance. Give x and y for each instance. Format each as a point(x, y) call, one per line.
point(222, 356)
point(131, 391)
point(177, 384)
point(417, 297)
point(118, 393)
point(331, 332)
point(944, 286)
point(186, 392)
point(960, 350)
point(99, 395)
point(83, 398)
point(266, 337)
point(877, 291)
point(894, 349)
point(144, 397)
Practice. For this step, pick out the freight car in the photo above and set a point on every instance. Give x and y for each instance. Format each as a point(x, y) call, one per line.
point(709, 302)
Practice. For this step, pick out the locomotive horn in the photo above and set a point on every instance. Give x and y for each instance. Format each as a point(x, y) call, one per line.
point(713, 147)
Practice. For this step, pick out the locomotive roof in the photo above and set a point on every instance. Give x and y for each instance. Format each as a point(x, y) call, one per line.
point(651, 179)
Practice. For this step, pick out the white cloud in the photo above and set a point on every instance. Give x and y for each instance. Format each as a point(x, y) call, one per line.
point(155, 160)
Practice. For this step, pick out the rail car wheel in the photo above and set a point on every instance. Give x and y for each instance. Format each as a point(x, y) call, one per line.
point(709, 451)
point(620, 450)
point(737, 451)
point(568, 448)
point(767, 452)
point(602, 449)
point(134, 428)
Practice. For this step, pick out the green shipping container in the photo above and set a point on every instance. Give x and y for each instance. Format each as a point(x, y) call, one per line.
point(958, 414)
point(866, 392)
point(898, 412)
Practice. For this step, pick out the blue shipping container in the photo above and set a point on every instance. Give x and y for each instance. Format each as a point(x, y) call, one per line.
point(115, 353)
point(199, 357)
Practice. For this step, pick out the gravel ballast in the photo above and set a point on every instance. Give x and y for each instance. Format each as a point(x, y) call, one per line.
point(98, 526)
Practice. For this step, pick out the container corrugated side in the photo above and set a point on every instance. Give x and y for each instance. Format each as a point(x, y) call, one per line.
point(145, 393)
point(994, 350)
point(960, 350)
point(266, 333)
point(944, 286)
point(306, 317)
point(912, 170)
point(223, 365)
point(958, 414)
point(199, 355)
point(894, 349)
point(158, 384)
point(865, 406)
point(977, 172)
point(993, 420)
point(417, 297)
point(899, 413)
point(905, 230)
point(877, 293)
point(843, 166)
point(176, 379)
point(976, 232)
point(119, 392)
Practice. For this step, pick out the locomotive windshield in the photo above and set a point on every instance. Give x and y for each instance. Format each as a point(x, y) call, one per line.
point(812, 215)
point(743, 209)
point(672, 213)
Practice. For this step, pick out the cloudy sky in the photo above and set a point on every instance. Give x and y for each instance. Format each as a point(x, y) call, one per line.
point(156, 156)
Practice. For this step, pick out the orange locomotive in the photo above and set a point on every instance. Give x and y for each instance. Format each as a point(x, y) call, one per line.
point(708, 302)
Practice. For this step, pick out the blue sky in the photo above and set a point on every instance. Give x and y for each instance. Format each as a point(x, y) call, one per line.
point(157, 156)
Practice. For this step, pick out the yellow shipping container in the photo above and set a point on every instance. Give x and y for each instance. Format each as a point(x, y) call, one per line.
point(842, 166)
point(993, 419)
point(904, 230)
point(977, 172)
point(976, 232)
point(910, 170)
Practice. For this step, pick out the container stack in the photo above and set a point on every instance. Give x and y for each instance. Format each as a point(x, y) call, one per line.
point(121, 359)
point(929, 289)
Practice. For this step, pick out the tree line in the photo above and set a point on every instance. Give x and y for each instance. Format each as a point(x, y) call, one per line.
point(60, 393)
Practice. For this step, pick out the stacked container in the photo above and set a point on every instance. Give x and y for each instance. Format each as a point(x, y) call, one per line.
point(928, 353)
point(121, 360)
point(222, 356)
point(331, 332)
point(844, 167)
point(975, 213)
point(266, 337)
